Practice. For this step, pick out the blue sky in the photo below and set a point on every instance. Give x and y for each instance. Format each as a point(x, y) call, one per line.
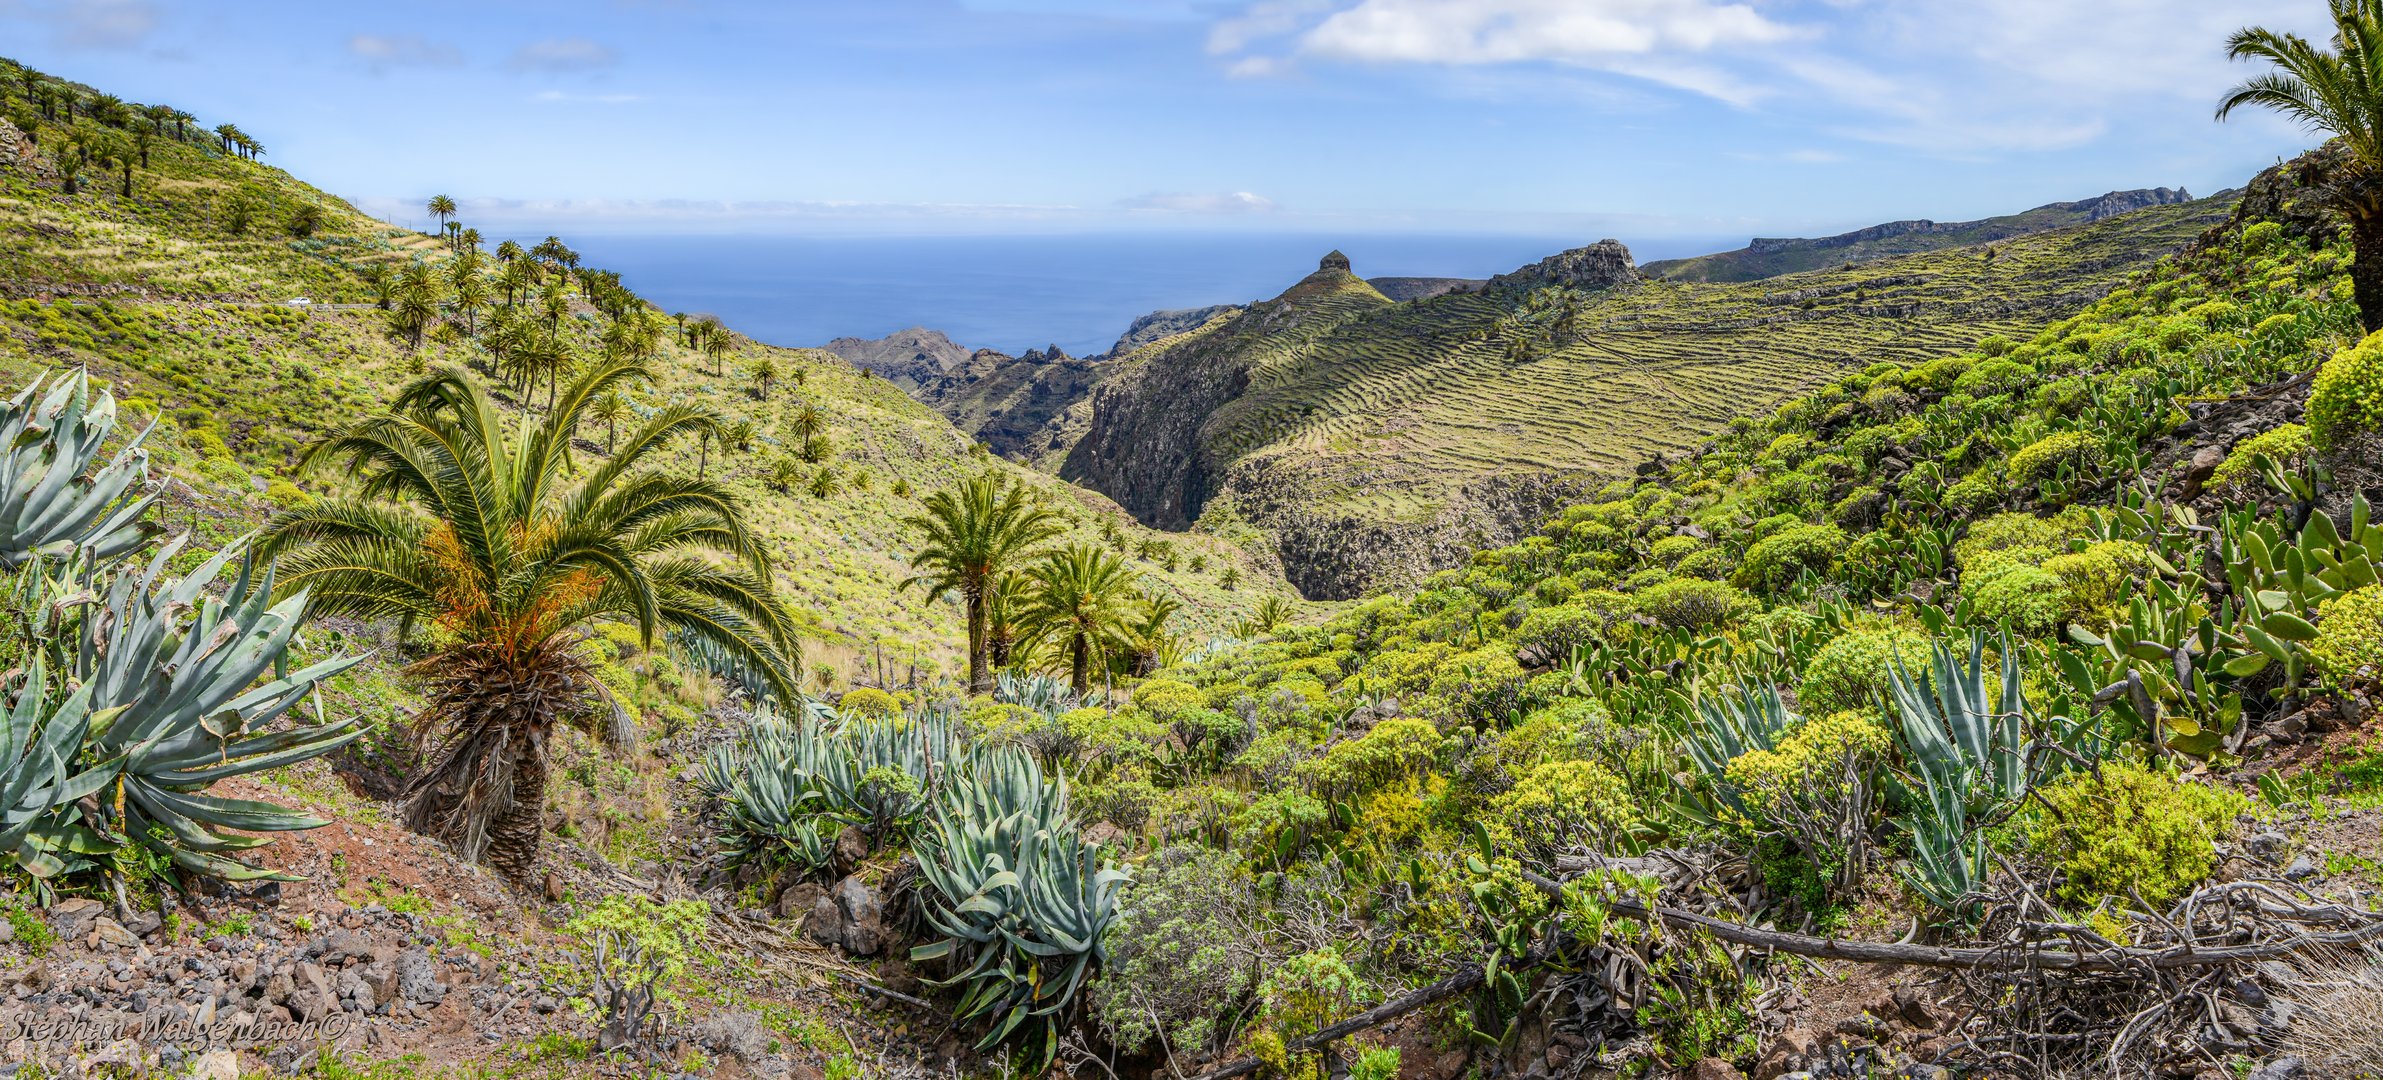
point(1634, 118)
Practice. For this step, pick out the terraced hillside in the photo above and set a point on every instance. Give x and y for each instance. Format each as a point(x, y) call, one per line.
point(181, 295)
point(1771, 256)
point(1379, 440)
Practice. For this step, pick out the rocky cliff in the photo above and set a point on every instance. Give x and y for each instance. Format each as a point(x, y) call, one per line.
point(1147, 443)
point(909, 358)
point(1605, 264)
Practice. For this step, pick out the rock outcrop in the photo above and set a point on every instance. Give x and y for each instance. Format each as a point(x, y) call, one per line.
point(1161, 325)
point(907, 357)
point(1605, 264)
point(1146, 445)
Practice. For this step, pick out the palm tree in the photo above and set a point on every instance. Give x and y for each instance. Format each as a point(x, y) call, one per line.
point(1081, 599)
point(763, 370)
point(974, 532)
point(609, 407)
point(2341, 93)
point(1005, 597)
point(808, 422)
point(1151, 641)
point(739, 435)
point(466, 524)
point(416, 304)
point(442, 208)
point(784, 474)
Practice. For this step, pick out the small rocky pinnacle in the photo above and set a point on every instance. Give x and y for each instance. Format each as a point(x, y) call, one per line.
point(1334, 261)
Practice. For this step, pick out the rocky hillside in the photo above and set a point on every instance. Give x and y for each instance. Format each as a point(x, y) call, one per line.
point(909, 358)
point(1771, 257)
point(1376, 441)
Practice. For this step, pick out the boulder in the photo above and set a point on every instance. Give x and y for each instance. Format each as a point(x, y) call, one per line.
point(417, 979)
point(735, 1034)
point(860, 918)
point(1788, 1052)
point(72, 918)
point(797, 899)
point(852, 847)
point(111, 932)
point(1913, 1008)
point(2283, 1068)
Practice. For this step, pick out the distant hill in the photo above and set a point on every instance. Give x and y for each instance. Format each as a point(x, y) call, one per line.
point(1376, 441)
point(1423, 288)
point(1771, 257)
point(1160, 325)
point(908, 357)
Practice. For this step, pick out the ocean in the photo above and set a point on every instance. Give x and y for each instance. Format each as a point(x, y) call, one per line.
point(1015, 292)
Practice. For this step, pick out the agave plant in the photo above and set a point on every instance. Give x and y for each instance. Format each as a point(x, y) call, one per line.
point(769, 789)
point(1023, 902)
point(1045, 694)
point(52, 500)
point(1730, 725)
point(1968, 759)
point(177, 705)
point(38, 755)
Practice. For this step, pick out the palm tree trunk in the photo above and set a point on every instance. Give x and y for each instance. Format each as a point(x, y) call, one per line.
point(1080, 663)
point(2366, 266)
point(979, 681)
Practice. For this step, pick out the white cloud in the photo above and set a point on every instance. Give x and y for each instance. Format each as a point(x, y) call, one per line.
point(558, 97)
point(1228, 202)
point(564, 55)
point(1507, 31)
point(1964, 78)
point(104, 24)
point(384, 51)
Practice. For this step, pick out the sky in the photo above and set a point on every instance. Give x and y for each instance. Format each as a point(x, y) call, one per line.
point(1632, 118)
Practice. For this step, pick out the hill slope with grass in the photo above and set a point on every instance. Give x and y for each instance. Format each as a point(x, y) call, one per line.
point(1772, 256)
point(1378, 441)
point(181, 295)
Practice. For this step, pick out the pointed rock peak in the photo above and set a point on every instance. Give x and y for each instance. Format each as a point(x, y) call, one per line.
point(1602, 265)
point(1334, 261)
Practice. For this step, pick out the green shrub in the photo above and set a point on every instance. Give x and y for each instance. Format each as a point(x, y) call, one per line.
point(1695, 604)
point(1710, 564)
point(1970, 495)
point(1391, 751)
point(1557, 630)
point(1556, 804)
point(1671, 549)
point(1183, 954)
point(1851, 671)
point(2043, 459)
point(1779, 559)
point(2346, 403)
point(2349, 644)
point(2013, 530)
point(2237, 479)
point(2023, 595)
point(868, 701)
point(2131, 827)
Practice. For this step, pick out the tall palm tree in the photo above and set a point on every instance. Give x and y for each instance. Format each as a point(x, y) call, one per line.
point(442, 208)
point(764, 370)
point(467, 524)
point(415, 304)
point(974, 532)
point(1005, 600)
point(2339, 92)
point(1082, 599)
point(609, 406)
point(808, 422)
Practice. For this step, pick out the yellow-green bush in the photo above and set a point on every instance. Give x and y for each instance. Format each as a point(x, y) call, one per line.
point(2349, 644)
point(2131, 829)
point(2346, 403)
point(1164, 697)
point(1695, 603)
point(1851, 671)
point(1392, 751)
point(868, 701)
point(2043, 458)
point(1810, 762)
point(2237, 478)
point(1776, 560)
point(1555, 804)
point(2019, 593)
